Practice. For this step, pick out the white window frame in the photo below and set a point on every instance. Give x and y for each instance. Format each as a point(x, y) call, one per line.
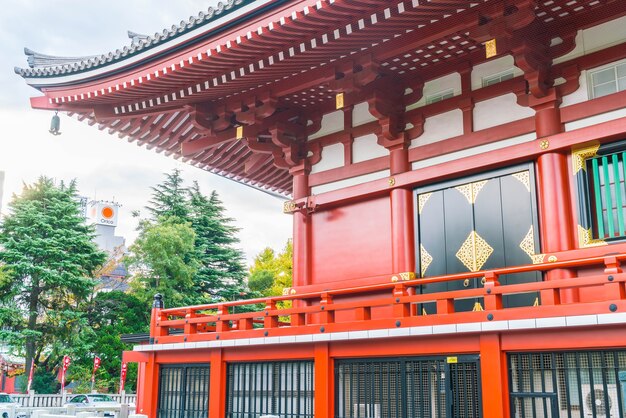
point(509, 74)
point(439, 96)
point(591, 72)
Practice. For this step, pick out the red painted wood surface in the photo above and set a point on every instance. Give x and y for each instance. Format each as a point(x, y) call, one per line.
point(351, 241)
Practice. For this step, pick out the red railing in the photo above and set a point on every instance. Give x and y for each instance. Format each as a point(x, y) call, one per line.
point(394, 305)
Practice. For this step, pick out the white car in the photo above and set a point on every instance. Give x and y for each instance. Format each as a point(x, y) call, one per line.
point(94, 400)
point(7, 403)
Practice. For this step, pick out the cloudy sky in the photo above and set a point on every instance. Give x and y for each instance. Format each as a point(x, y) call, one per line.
point(105, 166)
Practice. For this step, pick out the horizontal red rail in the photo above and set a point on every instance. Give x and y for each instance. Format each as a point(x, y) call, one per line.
point(316, 311)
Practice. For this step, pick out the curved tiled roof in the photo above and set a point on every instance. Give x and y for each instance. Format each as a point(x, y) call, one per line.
point(41, 65)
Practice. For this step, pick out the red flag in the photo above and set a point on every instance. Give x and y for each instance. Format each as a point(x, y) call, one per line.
point(123, 376)
point(66, 364)
point(30, 375)
point(96, 366)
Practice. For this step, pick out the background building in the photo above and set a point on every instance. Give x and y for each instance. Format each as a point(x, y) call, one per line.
point(113, 274)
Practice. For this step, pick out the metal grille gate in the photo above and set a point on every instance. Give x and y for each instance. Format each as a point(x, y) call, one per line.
point(567, 384)
point(183, 391)
point(270, 388)
point(434, 387)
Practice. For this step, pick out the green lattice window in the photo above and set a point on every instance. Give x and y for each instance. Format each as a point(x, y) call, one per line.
point(607, 197)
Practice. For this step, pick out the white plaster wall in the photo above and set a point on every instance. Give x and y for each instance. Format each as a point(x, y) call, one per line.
point(332, 157)
point(438, 85)
point(593, 120)
point(474, 151)
point(499, 110)
point(493, 67)
point(580, 95)
point(597, 38)
point(361, 114)
point(366, 148)
point(353, 181)
point(331, 123)
point(439, 127)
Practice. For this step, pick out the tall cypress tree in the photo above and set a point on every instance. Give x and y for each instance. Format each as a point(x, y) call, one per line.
point(170, 197)
point(222, 269)
point(48, 259)
point(220, 265)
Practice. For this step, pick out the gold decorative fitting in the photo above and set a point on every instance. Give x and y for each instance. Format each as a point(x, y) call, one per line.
point(293, 291)
point(395, 279)
point(483, 281)
point(538, 258)
point(536, 302)
point(466, 282)
point(471, 190)
point(478, 307)
point(425, 260)
point(491, 49)
point(421, 201)
point(424, 312)
point(391, 181)
point(528, 246)
point(544, 144)
point(339, 101)
point(409, 275)
point(579, 156)
point(474, 252)
point(585, 238)
point(552, 259)
point(290, 206)
point(286, 291)
point(240, 132)
point(524, 178)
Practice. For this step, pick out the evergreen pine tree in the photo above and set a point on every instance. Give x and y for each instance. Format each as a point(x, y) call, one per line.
point(48, 258)
point(218, 266)
point(170, 198)
point(222, 271)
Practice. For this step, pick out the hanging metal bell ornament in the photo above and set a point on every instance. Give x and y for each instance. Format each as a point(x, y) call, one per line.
point(55, 124)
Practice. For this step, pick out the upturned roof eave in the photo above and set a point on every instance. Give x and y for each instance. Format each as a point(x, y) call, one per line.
point(139, 54)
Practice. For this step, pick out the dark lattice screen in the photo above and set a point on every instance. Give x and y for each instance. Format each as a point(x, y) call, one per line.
point(270, 388)
point(567, 384)
point(184, 391)
point(408, 387)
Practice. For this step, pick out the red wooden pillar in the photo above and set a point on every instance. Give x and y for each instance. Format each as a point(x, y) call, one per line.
point(494, 378)
point(324, 382)
point(301, 229)
point(217, 395)
point(402, 233)
point(556, 217)
point(148, 397)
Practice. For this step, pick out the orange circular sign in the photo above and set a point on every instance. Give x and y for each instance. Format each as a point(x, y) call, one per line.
point(107, 212)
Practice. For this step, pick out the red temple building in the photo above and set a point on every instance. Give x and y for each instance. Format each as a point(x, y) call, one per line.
point(455, 171)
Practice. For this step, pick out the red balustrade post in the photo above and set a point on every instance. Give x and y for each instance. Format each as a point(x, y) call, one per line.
point(493, 301)
point(613, 290)
point(222, 325)
point(401, 309)
point(156, 316)
point(327, 316)
point(190, 328)
point(270, 320)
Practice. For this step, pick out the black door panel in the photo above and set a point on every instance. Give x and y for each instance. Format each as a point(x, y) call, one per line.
point(476, 224)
